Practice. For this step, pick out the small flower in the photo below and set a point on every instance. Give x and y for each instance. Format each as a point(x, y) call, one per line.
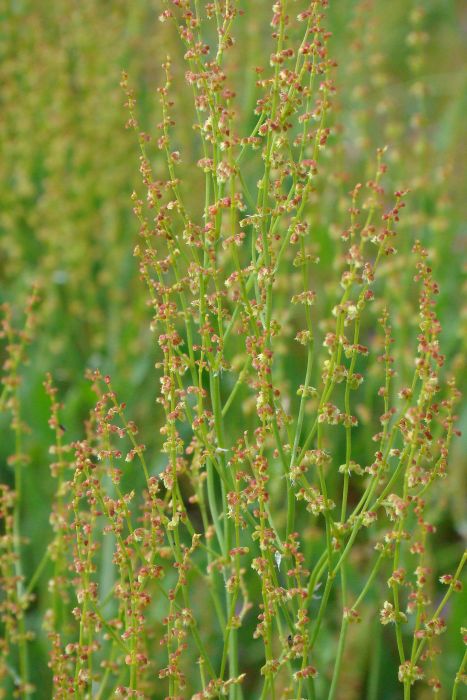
point(409, 672)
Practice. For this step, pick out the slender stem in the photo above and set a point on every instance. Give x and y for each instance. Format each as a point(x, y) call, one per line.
point(342, 639)
point(458, 678)
point(375, 661)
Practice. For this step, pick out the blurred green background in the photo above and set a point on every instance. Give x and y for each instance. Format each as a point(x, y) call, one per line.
point(68, 168)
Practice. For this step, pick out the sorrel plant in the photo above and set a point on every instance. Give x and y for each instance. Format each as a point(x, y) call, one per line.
point(285, 516)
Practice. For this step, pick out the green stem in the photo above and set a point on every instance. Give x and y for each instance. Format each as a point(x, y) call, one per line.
point(342, 639)
point(458, 678)
point(375, 662)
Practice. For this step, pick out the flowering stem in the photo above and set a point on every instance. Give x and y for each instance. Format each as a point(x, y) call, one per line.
point(458, 678)
point(342, 639)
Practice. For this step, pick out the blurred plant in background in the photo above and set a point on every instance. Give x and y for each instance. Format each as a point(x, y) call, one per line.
point(252, 232)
